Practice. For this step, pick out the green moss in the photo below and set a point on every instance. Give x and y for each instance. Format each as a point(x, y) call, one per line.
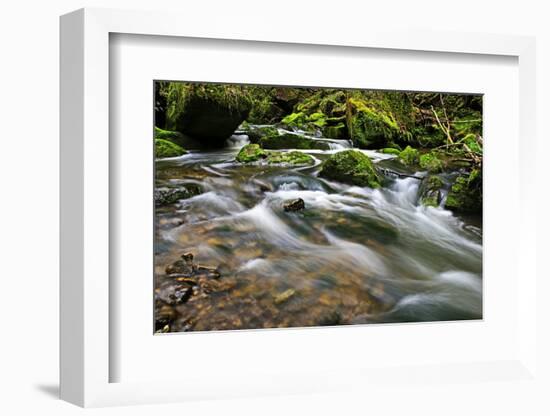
point(430, 191)
point(291, 141)
point(295, 120)
point(318, 119)
point(370, 126)
point(409, 156)
point(165, 148)
point(254, 153)
point(167, 135)
point(351, 166)
point(337, 131)
point(390, 151)
point(466, 193)
point(291, 158)
point(431, 162)
point(255, 134)
point(251, 153)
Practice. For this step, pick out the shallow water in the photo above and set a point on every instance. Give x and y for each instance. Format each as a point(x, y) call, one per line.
point(354, 255)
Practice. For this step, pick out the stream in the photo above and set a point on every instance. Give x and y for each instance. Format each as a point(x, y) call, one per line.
point(352, 256)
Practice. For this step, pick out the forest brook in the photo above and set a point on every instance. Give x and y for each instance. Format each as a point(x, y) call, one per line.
point(292, 207)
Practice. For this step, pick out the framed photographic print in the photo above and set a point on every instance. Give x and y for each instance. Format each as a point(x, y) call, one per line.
point(279, 213)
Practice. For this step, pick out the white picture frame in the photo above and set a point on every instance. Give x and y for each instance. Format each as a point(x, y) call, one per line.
point(85, 210)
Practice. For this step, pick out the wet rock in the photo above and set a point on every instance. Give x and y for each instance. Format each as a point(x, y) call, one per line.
point(251, 153)
point(181, 268)
point(292, 141)
point(352, 167)
point(167, 196)
point(289, 158)
point(284, 296)
point(431, 191)
point(174, 293)
point(294, 205)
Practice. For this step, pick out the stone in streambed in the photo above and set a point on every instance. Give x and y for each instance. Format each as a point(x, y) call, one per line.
point(352, 167)
point(251, 153)
point(284, 296)
point(167, 196)
point(466, 193)
point(294, 205)
point(292, 141)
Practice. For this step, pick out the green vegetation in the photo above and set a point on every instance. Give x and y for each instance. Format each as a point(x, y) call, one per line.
point(409, 156)
point(166, 148)
point(431, 162)
point(465, 194)
point(291, 141)
point(353, 167)
point(254, 153)
point(251, 153)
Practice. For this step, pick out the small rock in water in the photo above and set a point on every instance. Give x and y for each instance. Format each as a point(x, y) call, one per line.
point(284, 296)
point(181, 268)
point(294, 205)
point(174, 294)
point(188, 257)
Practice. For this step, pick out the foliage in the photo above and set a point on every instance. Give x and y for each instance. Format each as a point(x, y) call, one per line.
point(466, 193)
point(291, 141)
point(409, 156)
point(431, 162)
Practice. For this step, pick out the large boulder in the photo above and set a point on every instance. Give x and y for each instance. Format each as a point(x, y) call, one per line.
point(208, 113)
point(352, 167)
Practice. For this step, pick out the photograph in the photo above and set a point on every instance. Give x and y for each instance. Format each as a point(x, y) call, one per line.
point(303, 206)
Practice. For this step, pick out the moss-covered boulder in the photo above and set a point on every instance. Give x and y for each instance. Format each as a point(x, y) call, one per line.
point(466, 193)
point(431, 191)
point(254, 153)
point(409, 156)
point(292, 141)
point(369, 127)
point(251, 153)
point(352, 167)
point(256, 133)
point(166, 148)
point(289, 158)
point(209, 113)
point(174, 136)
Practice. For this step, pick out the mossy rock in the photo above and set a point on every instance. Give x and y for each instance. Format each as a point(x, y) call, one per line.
point(167, 196)
point(409, 156)
point(206, 112)
point(296, 120)
point(352, 167)
point(251, 153)
point(291, 141)
point(371, 128)
point(174, 136)
point(431, 162)
point(431, 191)
point(165, 148)
point(390, 151)
point(254, 153)
point(466, 193)
point(256, 133)
point(290, 158)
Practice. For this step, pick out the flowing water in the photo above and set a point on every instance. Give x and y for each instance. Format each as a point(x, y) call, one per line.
point(353, 255)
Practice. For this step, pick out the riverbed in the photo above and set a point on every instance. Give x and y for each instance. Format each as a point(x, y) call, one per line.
point(353, 256)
